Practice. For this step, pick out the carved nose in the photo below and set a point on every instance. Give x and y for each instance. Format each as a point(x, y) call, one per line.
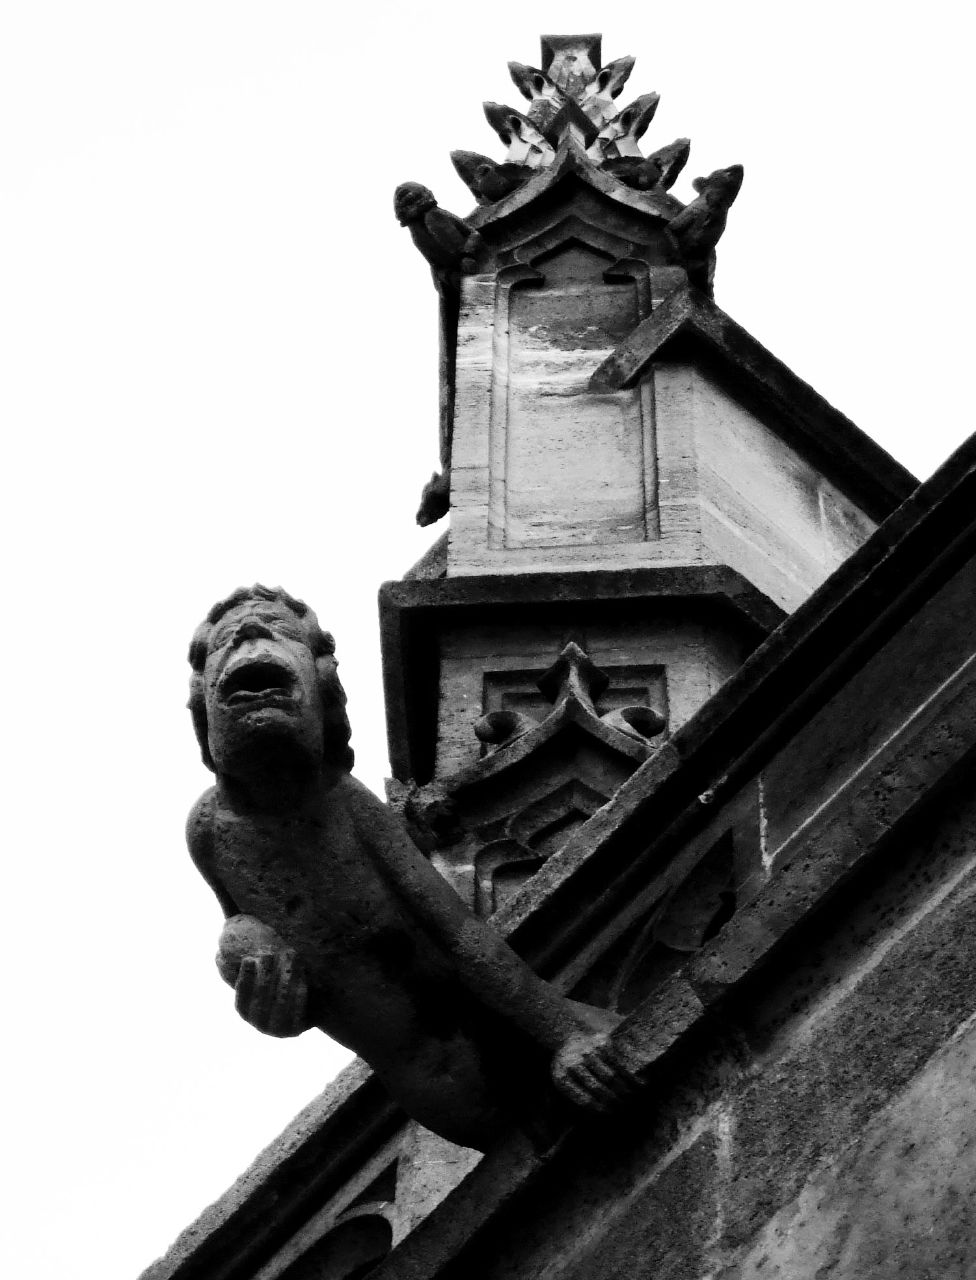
point(251, 631)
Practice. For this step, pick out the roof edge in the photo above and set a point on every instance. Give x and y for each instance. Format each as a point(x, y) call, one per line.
point(688, 313)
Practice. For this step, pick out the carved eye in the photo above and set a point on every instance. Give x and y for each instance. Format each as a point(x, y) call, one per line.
point(603, 79)
point(539, 83)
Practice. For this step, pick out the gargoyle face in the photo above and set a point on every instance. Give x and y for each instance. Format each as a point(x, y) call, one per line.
point(261, 688)
point(411, 201)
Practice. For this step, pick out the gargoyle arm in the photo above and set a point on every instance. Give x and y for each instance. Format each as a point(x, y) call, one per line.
point(200, 841)
point(487, 965)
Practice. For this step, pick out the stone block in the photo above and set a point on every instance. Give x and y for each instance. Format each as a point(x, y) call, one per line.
point(898, 1205)
point(861, 1010)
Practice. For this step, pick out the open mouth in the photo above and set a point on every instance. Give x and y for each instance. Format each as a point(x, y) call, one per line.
point(260, 681)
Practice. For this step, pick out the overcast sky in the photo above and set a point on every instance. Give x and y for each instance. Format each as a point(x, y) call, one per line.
point(218, 364)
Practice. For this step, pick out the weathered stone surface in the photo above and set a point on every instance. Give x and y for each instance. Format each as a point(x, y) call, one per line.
point(897, 1205)
point(616, 1208)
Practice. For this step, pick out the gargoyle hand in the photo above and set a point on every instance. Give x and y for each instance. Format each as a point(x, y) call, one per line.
point(268, 977)
point(588, 1071)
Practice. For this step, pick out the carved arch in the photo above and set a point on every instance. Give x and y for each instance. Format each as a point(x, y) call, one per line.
point(501, 868)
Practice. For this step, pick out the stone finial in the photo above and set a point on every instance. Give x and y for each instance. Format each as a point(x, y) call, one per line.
point(545, 97)
point(526, 144)
point(670, 160)
point(335, 919)
point(574, 676)
point(597, 98)
point(620, 136)
point(571, 61)
point(573, 101)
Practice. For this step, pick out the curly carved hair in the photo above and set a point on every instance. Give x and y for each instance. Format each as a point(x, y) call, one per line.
point(322, 646)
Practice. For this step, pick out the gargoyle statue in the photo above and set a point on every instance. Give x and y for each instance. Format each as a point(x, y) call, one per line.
point(444, 239)
point(699, 226)
point(336, 920)
point(448, 244)
point(435, 499)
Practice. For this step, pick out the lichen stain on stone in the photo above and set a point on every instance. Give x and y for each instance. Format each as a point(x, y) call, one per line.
point(590, 337)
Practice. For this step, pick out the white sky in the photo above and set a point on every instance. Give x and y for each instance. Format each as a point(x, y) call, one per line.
point(218, 364)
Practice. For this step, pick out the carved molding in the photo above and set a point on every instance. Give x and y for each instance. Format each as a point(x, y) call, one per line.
point(546, 770)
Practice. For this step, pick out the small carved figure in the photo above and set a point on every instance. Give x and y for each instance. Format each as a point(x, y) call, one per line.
point(435, 500)
point(336, 920)
point(445, 240)
point(449, 246)
point(487, 180)
point(699, 226)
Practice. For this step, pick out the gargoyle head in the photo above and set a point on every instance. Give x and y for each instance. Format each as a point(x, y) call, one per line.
point(411, 200)
point(264, 683)
point(720, 187)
